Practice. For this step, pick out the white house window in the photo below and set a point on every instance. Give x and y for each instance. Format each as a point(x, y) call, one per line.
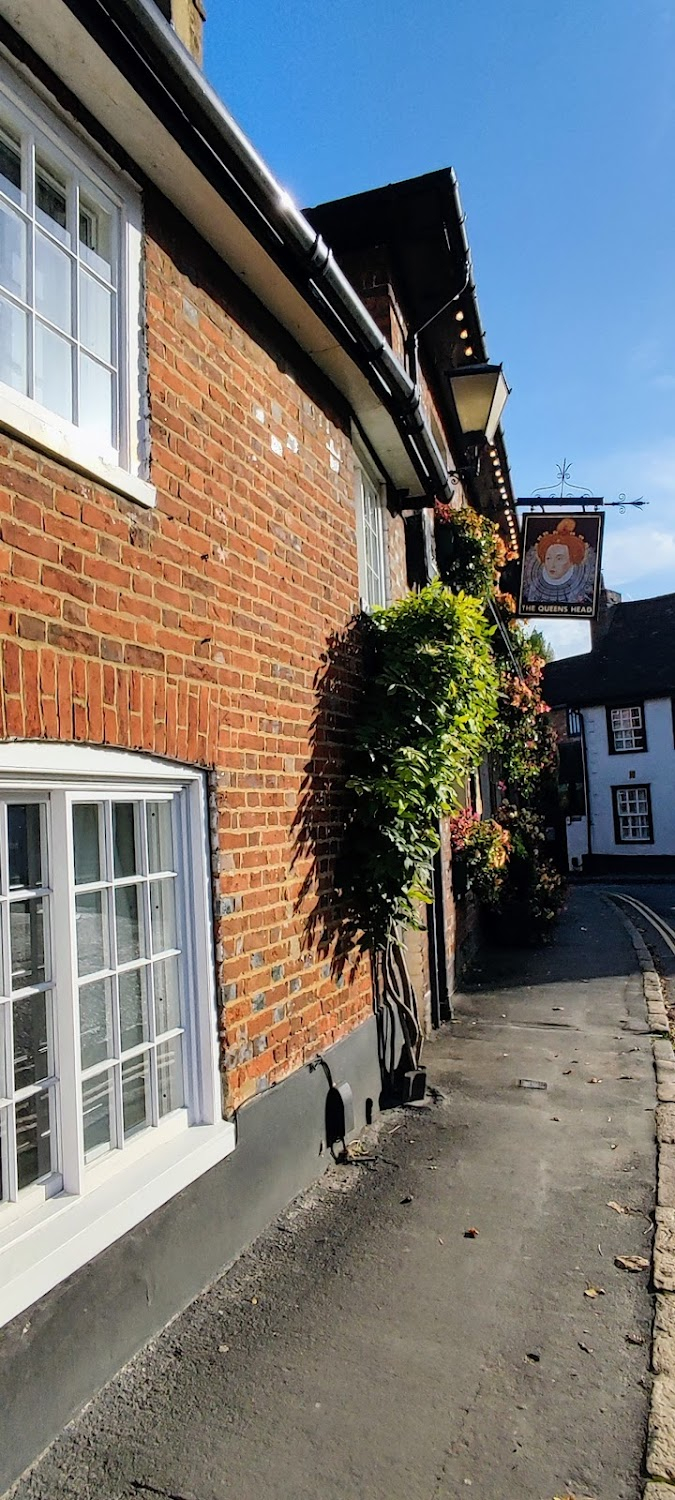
point(574, 723)
point(627, 730)
point(371, 538)
point(632, 815)
point(69, 288)
point(108, 1049)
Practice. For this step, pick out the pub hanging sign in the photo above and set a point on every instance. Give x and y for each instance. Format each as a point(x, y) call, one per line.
point(560, 565)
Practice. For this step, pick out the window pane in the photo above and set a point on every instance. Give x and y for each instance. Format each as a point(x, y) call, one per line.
point(136, 1094)
point(128, 924)
point(170, 1075)
point(96, 238)
point(31, 1051)
point(86, 843)
point(96, 1116)
point(33, 1139)
point(26, 932)
point(163, 914)
point(53, 283)
point(13, 346)
point(51, 201)
point(91, 955)
point(5, 1060)
point(160, 836)
point(53, 372)
point(167, 995)
point(25, 845)
point(96, 403)
point(96, 1040)
point(12, 252)
point(133, 1009)
point(96, 311)
point(10, 166)
point(124, 839)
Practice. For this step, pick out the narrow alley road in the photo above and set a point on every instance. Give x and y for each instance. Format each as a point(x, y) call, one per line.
point(365, 1348)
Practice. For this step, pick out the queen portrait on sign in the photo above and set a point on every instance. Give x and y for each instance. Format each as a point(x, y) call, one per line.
point(559, 568)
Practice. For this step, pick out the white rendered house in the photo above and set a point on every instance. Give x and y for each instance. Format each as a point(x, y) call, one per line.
point(615, 711)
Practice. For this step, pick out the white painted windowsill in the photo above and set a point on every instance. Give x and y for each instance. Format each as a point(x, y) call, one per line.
point(72, 1230)
point(65, 443)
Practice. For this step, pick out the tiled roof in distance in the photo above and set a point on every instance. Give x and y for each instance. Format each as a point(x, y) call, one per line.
point(633, 658)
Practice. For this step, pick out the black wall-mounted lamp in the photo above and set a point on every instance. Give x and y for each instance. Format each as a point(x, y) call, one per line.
point(480, 393)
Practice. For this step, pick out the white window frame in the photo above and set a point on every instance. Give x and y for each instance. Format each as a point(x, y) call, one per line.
point(371, 538)
point(59, 1224)
point(574, 723)
point(628, 730)
point(633, 821)
point(125, 470)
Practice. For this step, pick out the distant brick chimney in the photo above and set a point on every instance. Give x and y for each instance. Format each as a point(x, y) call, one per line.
point(187, 18)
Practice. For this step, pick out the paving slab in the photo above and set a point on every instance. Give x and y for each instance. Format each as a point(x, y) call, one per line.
point(663, 1344)
point(661, 1440)
point(665, 1124)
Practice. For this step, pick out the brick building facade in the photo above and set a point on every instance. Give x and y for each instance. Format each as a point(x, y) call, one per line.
point(208, 461)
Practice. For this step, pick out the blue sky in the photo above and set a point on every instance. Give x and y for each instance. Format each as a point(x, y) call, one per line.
point(559, 119)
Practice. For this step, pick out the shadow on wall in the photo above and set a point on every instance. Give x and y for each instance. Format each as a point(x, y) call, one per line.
point(326, 806)
point(320, 829)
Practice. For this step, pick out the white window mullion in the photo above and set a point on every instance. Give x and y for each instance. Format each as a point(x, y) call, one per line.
point(74, 219)
point(29, 169)
point(146, 947)
point(108, 854)
point(67, 1006)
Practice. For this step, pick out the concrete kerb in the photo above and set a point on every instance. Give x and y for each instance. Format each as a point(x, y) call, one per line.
point(660, 1459)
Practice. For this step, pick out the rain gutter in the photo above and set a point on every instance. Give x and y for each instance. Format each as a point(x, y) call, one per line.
point(140, 24)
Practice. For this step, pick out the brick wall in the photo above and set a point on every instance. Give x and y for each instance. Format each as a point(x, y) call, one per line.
point(194, 631)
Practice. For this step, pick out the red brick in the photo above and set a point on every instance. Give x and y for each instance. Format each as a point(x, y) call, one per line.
point(195, 630)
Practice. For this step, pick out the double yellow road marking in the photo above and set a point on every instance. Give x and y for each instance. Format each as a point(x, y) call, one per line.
point(658, 922)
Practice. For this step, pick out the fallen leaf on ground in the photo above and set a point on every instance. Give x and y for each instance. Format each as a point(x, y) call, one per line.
point(595, 1080)
point(584, 1347)
point(223, 1348)
point(619, 1208)
point(566, 1072)
point(631, 1262)
point(634, 1338)
point(471, 1234)
point(594, 1291)
point(556, 1119)
point(408, 1198)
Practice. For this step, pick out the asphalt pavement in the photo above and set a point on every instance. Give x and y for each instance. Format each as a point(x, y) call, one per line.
point(651, 907)
point(369, 1347)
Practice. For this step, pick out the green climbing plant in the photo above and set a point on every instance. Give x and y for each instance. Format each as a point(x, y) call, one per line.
point(424, 723)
